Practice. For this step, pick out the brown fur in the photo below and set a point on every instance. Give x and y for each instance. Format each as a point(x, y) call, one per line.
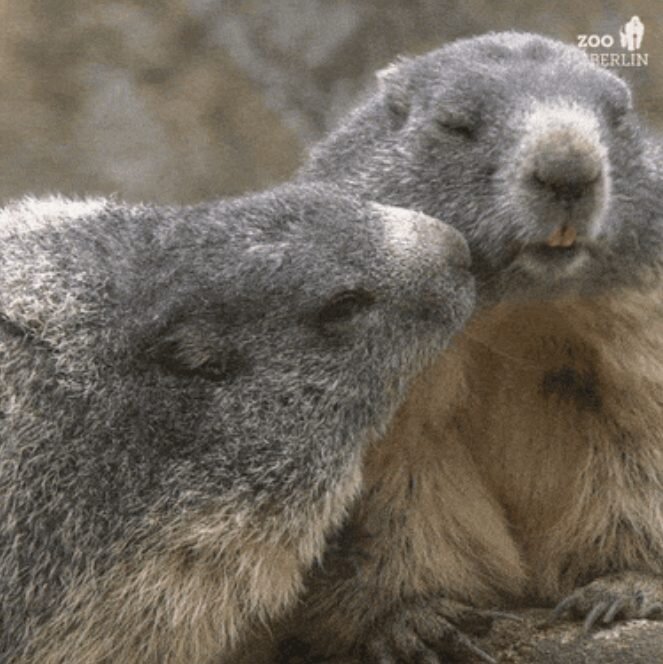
point(198, 587)
point(542, 469)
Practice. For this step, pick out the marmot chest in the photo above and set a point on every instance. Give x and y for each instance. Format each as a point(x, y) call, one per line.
point(555, 400)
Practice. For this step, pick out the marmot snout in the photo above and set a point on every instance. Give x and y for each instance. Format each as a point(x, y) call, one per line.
point(562, 169)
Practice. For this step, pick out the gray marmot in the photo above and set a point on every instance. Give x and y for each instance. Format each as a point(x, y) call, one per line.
point(535, 475)
point(186, 394)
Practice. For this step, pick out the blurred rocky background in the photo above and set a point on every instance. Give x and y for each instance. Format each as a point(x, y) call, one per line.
point(180, 100)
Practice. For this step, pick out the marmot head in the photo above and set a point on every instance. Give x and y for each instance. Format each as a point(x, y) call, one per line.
point(519, 141)
point(206, 348)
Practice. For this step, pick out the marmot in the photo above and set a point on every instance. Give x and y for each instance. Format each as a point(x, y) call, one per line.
point(536, 474)
point(186, 394)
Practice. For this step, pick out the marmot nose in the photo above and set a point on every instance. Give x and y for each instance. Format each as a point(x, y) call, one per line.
point(420, 236)
point(569, 174)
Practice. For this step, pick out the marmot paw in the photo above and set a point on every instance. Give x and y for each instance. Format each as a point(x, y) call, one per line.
point(623, 596)
point(429, 630)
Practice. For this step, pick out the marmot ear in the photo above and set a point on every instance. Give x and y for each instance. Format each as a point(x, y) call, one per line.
point(16, 330)
point(393, 86)
point(191, 348)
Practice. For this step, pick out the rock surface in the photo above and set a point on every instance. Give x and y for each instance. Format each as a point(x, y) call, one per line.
point(526, 642)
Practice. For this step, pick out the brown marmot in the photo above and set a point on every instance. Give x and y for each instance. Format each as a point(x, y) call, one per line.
point(536, 476)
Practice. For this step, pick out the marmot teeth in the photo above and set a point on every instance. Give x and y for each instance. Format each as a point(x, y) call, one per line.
point(564, 236)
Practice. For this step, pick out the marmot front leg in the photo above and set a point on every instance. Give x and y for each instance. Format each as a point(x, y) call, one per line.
point(623, 596)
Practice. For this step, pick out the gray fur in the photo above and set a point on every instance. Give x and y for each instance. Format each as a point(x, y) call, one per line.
point(448, 133)
point(160, 362)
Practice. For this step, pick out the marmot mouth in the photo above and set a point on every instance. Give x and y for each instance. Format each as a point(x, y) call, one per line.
point(548, 252)
point(562, 245)
point(564, 237)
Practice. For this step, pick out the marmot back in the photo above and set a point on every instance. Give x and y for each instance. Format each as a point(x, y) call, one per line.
point(538, 470)
point(186, 396)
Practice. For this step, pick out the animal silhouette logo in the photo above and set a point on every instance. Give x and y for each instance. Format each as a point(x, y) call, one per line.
point(630, 34)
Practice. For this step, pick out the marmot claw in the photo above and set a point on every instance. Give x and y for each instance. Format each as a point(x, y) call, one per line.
point(426, 631)
point(626, 596)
